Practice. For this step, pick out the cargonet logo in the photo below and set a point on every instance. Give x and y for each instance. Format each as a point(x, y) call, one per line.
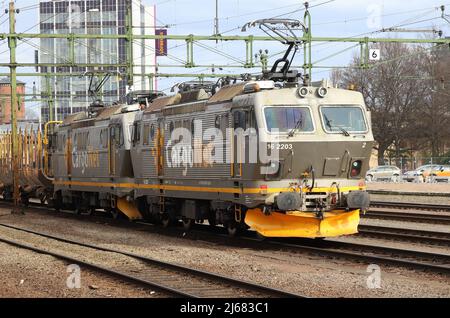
point(213, 147)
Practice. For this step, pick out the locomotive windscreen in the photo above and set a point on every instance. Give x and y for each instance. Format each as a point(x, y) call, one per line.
point(284, 119)
point(350, 118)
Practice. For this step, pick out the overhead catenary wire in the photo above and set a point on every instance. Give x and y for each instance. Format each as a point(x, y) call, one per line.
point(146, 10)
point(228, 56)
point(30, 28)
point(286, 14)
point(344, 21)
point(424, 50)
point(80, 42)
point(337, 53)
point(233, 17)
point(239, 61)
point(403, 23)
point(372, 32)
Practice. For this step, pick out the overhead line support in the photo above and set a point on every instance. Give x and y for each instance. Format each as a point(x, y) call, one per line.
point(190, 51)
point(12, 44)
point(249, 53)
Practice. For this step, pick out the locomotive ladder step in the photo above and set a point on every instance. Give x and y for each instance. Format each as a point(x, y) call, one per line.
point(238, 213)
point(161, 204)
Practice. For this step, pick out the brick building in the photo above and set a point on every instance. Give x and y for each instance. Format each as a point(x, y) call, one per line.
point(5, 100)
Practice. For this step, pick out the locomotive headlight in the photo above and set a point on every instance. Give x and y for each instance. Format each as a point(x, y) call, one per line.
point(356, 168)
point(302, 92)
point(322, 92)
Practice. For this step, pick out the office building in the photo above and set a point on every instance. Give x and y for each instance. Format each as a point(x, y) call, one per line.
point(70, 93)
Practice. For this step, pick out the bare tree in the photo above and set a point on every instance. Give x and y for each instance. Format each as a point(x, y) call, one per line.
point(390, 93)
point(435, 115)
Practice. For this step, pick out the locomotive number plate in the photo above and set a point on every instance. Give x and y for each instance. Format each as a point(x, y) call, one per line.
point(279, 146)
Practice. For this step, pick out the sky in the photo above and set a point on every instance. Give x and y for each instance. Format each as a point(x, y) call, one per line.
point(332, 18)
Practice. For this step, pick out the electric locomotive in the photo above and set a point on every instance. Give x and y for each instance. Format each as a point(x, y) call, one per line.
point(283, 157)
point(199, 156)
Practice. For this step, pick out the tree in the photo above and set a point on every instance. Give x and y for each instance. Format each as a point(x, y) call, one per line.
point(435, 118)
point(390, 94)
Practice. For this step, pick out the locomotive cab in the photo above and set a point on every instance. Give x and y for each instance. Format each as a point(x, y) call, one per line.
point(321, 142)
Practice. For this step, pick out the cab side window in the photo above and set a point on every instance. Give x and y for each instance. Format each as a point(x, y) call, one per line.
point(104, 138)
point(116, 134)
point(136, 133)
point(252, 120)
point(240, 120)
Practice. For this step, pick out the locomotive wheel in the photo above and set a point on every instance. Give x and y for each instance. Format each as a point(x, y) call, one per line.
point(7, 195)
point(165, 220)
point(114, 213)
point(55, 201)
point(187, 224)
point(89, 211)
point(25, 201)
point(232, 228)
point(212, 220)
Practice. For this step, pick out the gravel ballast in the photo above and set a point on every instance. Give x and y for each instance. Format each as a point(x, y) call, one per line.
point(28, 274)
point(302, 273)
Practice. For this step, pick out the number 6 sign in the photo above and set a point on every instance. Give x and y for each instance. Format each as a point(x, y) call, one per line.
point(374, 54)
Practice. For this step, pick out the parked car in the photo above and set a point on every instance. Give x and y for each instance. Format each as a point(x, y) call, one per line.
point(421, 174)
point(387, 173)
point(442, 174)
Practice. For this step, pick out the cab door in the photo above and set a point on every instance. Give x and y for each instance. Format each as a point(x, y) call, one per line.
point(238, 142)
point(68, 143)
point(160, 147)
point(112, 150)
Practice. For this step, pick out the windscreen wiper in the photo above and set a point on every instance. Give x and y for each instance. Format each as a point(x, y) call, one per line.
point(328, 123)
point(345, 132)
point(298, 124)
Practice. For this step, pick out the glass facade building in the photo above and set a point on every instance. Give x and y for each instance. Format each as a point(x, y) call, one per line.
point(70, 93)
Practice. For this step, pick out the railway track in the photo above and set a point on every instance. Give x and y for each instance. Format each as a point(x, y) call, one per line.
point(410, 235)
point(407, 216)
point(406, 205)
point(408, 258)
point(414, 259)
point(176, 280)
